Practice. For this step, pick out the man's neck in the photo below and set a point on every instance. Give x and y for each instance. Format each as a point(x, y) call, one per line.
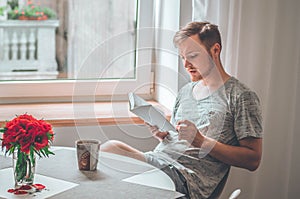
point(216, 78)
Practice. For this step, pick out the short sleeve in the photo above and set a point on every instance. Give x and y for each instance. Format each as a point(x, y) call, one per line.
point(248, 116)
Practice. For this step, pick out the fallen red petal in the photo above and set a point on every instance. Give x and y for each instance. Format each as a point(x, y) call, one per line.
point(11, 190)
point(20, 192)
point(39, 186)
point(25, 187)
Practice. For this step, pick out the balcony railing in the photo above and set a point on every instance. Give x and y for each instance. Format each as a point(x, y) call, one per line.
point(27, 49)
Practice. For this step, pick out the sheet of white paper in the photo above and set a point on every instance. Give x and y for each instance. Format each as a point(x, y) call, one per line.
point(53, 186)
point(153, 178)
point(150, 178)
point(148, 113)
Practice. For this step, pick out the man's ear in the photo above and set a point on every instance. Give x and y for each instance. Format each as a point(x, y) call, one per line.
point(215, 50)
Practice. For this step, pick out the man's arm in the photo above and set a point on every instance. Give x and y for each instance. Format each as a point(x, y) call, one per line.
point(247, 155)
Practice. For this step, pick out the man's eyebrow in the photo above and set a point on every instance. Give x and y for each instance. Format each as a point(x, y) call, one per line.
point(188, 52)
point(193, 51)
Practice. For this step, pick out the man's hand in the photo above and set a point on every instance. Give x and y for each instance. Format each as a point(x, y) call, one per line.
point(156, 133)
point(188, 131)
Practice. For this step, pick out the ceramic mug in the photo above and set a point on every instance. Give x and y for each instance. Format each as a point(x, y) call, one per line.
point(87, 154)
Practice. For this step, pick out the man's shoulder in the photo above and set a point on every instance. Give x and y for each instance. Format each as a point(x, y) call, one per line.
point(236, 87)
point(238, 91)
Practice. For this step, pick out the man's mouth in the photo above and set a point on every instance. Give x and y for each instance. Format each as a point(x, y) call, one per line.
point(192, 71)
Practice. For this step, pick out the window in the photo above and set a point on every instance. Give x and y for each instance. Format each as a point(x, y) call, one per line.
point(108, 53)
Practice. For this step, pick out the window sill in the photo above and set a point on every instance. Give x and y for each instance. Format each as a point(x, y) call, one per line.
point(77, 114)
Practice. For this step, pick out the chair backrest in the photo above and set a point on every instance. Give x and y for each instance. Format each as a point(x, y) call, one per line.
point(235, 194)
point(217, 192)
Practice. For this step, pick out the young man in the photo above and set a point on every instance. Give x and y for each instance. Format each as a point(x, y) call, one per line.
point(218, 121)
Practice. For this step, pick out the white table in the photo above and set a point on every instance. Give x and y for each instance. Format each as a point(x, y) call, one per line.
point(116, 177)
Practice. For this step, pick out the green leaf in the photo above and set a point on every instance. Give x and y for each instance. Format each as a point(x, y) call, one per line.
point(32, 159)
point(42, 151)
point(11, 150)
point(49, 152)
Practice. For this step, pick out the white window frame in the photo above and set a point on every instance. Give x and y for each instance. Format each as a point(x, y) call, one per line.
point(64, 90)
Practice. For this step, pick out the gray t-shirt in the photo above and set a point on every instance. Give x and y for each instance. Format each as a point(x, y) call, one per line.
point(227, 115)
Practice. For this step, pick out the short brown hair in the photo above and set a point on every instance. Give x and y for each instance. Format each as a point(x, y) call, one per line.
point(208, 34)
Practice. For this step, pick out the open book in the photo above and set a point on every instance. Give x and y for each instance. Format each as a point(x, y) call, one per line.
point(148, 113)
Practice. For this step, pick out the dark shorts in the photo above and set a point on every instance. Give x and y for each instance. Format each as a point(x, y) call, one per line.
point(167, 167)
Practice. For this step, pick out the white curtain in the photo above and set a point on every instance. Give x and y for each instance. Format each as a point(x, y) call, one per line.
point(261, 47)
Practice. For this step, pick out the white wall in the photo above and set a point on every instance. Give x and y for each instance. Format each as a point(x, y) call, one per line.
point(294, 178)
point(137, 136)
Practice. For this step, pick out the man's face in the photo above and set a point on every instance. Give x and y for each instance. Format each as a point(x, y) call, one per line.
point(195, 57)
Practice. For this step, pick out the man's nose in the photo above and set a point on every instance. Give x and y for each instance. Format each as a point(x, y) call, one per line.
point(186, 63)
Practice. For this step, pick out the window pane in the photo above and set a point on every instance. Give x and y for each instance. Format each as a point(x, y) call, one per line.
point(90, 39)
point(103, 40)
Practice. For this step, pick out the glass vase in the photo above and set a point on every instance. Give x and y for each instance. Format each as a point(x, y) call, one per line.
point(24, 168)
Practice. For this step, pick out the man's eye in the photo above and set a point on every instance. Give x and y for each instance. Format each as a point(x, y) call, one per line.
point(192, 56)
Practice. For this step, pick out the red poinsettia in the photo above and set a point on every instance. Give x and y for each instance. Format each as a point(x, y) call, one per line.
point(27, 134)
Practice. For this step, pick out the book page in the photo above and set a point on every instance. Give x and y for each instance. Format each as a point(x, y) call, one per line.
point(148, 113)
